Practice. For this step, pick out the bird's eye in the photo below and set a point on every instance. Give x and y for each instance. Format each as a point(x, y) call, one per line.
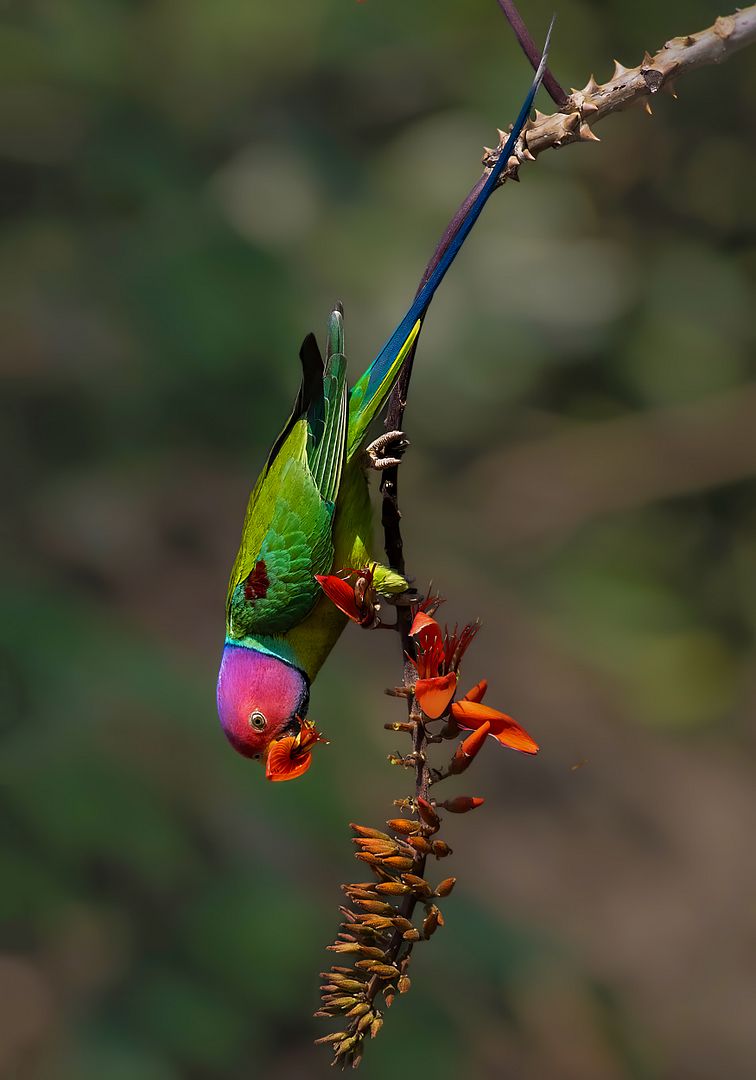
point(257, 720)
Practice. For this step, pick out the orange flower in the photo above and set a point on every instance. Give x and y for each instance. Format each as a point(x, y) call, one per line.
point(472, 715)
point(291, 756)
point(437, 661)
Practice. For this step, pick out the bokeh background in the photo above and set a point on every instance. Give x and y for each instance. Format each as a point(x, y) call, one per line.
point(186, 187)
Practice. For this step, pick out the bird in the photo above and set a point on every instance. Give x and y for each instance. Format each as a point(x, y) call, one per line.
point(309, 515)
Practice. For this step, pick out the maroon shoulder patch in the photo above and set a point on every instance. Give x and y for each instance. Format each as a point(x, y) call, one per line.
point(257, 584)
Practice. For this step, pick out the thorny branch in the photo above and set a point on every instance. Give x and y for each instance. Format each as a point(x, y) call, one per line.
point(573, 123)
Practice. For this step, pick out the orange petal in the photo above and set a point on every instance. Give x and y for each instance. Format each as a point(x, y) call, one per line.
point(478, 692)
point(340, 593)
point(471, 714)
point(282, 764)
point(435, 694)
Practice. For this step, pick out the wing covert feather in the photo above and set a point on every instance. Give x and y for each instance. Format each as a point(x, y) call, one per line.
point(286, 540)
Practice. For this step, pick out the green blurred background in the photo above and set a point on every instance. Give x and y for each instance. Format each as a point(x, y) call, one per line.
point(186, 187)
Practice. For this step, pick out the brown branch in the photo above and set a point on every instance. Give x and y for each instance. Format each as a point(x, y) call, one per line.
point(529, 47)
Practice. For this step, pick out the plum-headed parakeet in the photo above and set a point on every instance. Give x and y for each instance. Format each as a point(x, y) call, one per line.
point(309, 514)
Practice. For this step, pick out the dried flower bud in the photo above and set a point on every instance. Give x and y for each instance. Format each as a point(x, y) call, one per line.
point(377, 847)
point(361, 894)
point(359, 1009)
point(420, 885)
point(373, 954)
point(382, 971)
point(367, 857)
point(375, 907)
point(373, 834)
point(365, 1021)
point(403, 826)
point(419, 843)
point(446, 886)
point(340, 1003)
point(334, 1037)
point(404, 984)
point(353, 985)
point(413, 934)
point(377, 922)
point(345, 1045)
point(376, 1026)
point(398, 862)
point(401, 923)
point(430, 923)
point(440, 849)
point(393, 888)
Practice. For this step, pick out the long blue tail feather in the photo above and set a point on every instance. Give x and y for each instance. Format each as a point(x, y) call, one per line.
point(363, 404)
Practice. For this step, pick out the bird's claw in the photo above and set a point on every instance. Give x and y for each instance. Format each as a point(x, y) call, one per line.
point(376, 453)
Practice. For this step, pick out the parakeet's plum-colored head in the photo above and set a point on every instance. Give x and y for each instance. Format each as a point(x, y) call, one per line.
point(260, 698)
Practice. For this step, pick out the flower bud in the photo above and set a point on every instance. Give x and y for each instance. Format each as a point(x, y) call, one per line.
point(468, 748)
point(462, 804)
point(446, 886)
point(427, 813)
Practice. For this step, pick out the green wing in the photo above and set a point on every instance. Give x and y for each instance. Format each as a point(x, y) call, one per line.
point(287, 534)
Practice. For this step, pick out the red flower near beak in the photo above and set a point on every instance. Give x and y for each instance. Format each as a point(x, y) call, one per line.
point(291, 756)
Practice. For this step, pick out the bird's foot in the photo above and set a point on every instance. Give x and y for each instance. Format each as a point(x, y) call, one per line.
point(386, 451)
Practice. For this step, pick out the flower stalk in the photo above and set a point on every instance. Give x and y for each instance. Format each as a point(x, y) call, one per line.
point(385, 917)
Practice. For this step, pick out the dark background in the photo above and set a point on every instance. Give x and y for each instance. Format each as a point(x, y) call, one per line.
point(186, 187)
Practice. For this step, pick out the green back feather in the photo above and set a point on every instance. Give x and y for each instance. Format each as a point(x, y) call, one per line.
point(288, 524)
